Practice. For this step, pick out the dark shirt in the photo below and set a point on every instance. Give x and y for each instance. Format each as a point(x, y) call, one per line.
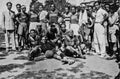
point(53, 16)
point(47, 46)
point(17, 16)
point(23, 17)
point(33, 16)
point(52, 34)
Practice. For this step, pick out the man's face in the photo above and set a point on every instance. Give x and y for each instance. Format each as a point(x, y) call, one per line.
point(52, 7)
point(32, 8)
point(32, 33)
point(63, 28)
point(40, 8)
point(71, 33)
point(107, 7)
point(43, 40)
point(97, 5)
point(9, 6)
point(18, 8)
point(90, 9)
point(73, 10)
point(24, 9)
point(66, 9)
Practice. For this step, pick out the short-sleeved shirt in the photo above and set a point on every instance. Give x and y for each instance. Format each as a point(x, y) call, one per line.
point(67, 16)
point(53, 16)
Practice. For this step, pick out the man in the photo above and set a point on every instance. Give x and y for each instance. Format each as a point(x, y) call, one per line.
point(99, 31)
point(52, 33)
point(9, 26)
point(67, 14)
point(23, 19)
point(53, 16)
point(34, 18)
point(36, 5)
point(18, 7)
point(72, 45)
point(113, 28)
point(42, 17)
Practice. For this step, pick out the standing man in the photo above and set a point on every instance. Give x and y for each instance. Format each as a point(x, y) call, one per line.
point(9, 26)
point(18, 7)
point(42, 18)
point(67, 15)
point(99, 31)
point(23, 19)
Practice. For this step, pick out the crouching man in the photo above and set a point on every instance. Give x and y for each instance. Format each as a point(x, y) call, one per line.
point(47, 49)
point(72, 45)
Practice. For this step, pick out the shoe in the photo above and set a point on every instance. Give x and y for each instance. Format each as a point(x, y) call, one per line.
point(71, 62)
point(102, 56)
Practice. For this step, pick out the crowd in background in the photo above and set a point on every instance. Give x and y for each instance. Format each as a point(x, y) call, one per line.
point(75, 32)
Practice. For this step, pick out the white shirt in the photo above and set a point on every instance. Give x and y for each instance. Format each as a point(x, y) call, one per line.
point(42, 15)
point(100, 15)
point(114, 18)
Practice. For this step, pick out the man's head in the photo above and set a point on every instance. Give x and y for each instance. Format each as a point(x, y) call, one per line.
point(73, 9)
point(40, 7)
point(43, 40)
point(67, 9)
point(107, 7)
point(33, 33)
point(90, 8)
point(71, 33)
point(63, 27)
point(97, 5)
point(23, 8)
point(18, 6)
point(9, 5)
point(32, 8)
point(52, 7)
point(52, 29)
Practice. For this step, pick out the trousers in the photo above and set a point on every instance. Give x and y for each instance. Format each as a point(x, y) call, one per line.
point(99, 39)
point(10, 38)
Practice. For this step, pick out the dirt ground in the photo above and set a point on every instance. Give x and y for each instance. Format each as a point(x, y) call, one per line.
point(15, 65)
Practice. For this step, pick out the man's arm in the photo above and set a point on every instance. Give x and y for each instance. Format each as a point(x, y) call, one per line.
point(3, 22)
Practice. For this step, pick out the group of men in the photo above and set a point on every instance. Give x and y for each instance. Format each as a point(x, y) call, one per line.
point(74, 32)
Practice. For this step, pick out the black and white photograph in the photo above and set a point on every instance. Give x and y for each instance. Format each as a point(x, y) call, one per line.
point(59, 39)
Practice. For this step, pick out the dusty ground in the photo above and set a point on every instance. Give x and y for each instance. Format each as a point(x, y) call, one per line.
point(15, 65)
